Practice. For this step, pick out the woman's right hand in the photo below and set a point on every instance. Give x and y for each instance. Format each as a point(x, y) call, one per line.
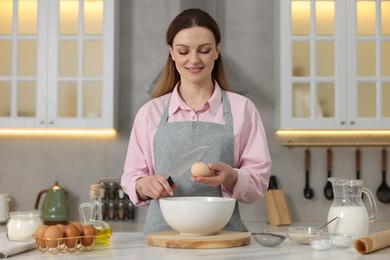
point(155, 187)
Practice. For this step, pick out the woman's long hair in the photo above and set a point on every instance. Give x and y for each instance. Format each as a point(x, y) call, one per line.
point(169, 77)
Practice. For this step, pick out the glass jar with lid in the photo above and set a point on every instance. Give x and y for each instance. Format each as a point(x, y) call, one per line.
point(22, 225)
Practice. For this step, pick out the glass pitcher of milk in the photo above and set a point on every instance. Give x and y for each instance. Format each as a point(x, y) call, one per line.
point(348, 206)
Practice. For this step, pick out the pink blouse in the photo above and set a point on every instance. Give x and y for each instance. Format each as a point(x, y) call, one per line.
point(251, 156)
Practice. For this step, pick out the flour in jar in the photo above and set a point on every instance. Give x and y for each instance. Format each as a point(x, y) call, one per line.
point(351, 220)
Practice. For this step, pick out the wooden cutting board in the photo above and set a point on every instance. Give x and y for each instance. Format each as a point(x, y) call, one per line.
point(222, 239)
point(276, 207)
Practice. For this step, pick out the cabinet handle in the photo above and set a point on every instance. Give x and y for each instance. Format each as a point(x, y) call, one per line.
point(41, 122)
point(51, 122)
point(352, 122)
point(342, 122)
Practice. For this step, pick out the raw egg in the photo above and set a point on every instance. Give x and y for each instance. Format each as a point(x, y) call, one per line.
point(200, 169)
point(53, 236)
point(71, 232)
point(40, 236)
point(88, 231)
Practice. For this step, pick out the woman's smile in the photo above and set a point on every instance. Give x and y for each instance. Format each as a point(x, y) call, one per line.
point(194, 70)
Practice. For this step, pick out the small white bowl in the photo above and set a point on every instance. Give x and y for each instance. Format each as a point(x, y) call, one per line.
point(197, 215)
point(341, 240)
point(320, 244)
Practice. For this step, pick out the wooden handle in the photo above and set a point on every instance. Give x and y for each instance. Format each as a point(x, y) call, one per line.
point(307, 160)
point(384, 155)
point(357, 159)
point(329, 159)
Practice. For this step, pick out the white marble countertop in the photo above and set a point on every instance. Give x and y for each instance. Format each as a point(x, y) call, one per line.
point(131, 244)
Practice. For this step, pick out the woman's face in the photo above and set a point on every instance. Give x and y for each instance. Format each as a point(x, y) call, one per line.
point(194, 52)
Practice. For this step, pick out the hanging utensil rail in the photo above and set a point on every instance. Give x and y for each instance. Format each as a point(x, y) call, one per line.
point(291, 144)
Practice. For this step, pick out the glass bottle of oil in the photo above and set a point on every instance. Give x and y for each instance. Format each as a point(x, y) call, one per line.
point(104, 231)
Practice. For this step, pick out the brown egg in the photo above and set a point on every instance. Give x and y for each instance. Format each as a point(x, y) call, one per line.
point(53, 236)
point(88, 230)
point(78, 225)
point(61, 226)
point(40, 235)
point(200, 169)
point(71, 232)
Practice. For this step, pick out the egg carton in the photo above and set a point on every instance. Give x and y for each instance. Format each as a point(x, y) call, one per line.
point(65, 244)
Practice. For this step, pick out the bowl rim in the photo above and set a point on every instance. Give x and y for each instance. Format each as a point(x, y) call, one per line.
point(268, 234)
point(197, 199)
point(346, 235)
point(306, 230)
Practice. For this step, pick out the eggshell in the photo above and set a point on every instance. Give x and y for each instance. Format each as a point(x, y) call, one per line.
point(78, 225)
point(88, 230)
point(200, 169)
point(53, 236)
point(61, 226)
point(71, 232)
point(40, 236)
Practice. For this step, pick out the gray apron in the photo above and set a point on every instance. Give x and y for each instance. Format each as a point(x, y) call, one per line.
point(175, 139)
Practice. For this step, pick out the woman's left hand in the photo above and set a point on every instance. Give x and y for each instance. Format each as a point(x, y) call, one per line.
point(220, 174)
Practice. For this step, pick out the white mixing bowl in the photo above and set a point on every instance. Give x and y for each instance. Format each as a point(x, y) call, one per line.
point(197, 215)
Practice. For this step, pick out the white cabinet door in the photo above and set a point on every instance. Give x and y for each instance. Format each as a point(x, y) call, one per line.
point(320, 53)
point(62, 72)
point(368, 63)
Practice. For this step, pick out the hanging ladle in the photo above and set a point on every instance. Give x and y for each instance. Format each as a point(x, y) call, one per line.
point(357, 161)
point(383, 191)
point(307, 192)
point(328, 189)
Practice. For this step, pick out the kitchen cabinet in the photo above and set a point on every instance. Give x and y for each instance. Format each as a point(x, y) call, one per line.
point(334, 64)
point(57, 63)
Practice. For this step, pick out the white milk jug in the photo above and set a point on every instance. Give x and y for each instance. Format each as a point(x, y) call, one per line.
point(348, 207)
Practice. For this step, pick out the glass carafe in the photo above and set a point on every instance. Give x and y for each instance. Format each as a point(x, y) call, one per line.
point(95, 218)
point(348, 206)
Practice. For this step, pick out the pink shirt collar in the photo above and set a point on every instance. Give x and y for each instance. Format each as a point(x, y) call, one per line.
point(178, 103)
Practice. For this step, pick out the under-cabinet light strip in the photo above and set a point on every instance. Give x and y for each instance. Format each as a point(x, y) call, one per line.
point(59, 132)
point(334, 144)
point(333, 133)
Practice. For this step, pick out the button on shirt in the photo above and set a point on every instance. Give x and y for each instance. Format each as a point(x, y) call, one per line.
point(251, 156)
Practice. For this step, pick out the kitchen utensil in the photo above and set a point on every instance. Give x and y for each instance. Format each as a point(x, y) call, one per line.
point(383, 191)
point(276, 205)
point(373, 242)
point(55, 209)
point(327, 223)
point(185, 163)
point(223, 239)
point(268, 239)
point(349, 208)
point(302, 235)
point(328, 189)
point(197, 215)
point(358, 162)
point(307, 192)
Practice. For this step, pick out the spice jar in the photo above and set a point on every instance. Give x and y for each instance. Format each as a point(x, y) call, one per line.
point(21, 225)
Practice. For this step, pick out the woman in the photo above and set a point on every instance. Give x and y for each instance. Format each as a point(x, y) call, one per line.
point(192, 106)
